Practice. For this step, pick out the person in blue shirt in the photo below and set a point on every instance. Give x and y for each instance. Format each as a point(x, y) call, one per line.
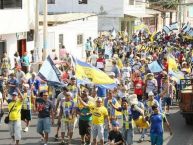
point(34, 83)
point(156, 126)
point(13, 84)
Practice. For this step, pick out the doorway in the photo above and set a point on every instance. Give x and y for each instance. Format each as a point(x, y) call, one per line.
point(3, 48)
point(21, 47)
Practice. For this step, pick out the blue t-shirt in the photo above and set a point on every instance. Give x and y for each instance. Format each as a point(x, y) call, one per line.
point(156, 121)
point(13, 82)
point(101, 92)
point(36, 84)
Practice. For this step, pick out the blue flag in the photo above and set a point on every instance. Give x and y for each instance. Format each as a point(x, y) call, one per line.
point(154, 67)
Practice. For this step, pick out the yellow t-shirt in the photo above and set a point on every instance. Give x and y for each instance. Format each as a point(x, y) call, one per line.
point(27, 105)
point(15, 114)
point(98, 115)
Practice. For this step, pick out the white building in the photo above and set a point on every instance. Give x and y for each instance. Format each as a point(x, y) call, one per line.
point(16, 20)
point(70, 30)
point(118, 14)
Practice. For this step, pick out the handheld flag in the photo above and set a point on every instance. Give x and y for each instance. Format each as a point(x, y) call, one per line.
point(174, 26)
point(172, 65)
point(166, 29)
point(186, 27)
point(87, 73)
point(154, 67)
point(50, 73)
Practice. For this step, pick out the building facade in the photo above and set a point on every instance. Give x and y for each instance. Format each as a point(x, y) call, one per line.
point(117, 14)
point(16, 21)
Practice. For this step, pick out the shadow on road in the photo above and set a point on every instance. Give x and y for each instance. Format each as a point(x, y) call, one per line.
point(182, 133)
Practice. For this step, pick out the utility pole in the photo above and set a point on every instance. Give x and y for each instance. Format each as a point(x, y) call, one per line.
point(45, 33)
point(180, 13)
point(37, 51)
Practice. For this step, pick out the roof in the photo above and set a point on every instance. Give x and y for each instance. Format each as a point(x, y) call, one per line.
point(67, 17)
point(139, 15)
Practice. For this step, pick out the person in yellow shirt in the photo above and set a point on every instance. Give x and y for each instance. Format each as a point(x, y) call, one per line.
point(99, 115)
point(14, 108)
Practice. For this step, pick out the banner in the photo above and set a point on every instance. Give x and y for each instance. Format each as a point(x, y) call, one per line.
point(87, 73)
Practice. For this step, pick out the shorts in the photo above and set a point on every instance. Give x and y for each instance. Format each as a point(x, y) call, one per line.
point(67, 126)
point(167, 101)
point(156, 139)
point(44, 125)
point(15, 129)
point(25, 114)
point(84, 127)
point(141, 123)
point(98, 131)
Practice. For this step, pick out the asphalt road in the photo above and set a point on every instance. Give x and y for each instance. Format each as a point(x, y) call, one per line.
point(182, 134)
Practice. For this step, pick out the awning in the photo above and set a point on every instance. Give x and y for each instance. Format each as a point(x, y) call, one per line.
point(152, 12)
point(138, 15)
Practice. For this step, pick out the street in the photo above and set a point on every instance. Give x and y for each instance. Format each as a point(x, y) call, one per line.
point(182, 134)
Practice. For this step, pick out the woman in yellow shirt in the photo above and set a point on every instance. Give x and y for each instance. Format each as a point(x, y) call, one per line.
point(14, 108)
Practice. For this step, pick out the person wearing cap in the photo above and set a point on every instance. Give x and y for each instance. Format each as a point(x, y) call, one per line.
point(84, 109)
point(14, 108)
point(45, 115)
point(112, 76)
point(26, 106)
point(137, 111)
point(99, 115)
point(150, 102)
point(115, 136)
point(150, 84)
point(156, 126)
point(67, 117)
point(34, 84)
point(127, 126)
point(12, 86)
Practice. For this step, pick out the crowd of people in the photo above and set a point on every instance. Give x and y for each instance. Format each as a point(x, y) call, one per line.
point(142, 99)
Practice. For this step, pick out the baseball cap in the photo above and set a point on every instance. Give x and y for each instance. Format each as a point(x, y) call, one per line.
point(14, 94)
point(115, 123)
point(99, 99)
point(150, 93)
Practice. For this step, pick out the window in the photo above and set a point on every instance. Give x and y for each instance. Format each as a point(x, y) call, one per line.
point(82, 1)
point(61, 40)
point(10, 4)
point(131, 2)
point(80, 39)
point(51, 1)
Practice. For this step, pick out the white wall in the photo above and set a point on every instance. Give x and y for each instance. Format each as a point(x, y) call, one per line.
point(16, 20)
point(112, 7)
point(108, 23)
point(70, 30)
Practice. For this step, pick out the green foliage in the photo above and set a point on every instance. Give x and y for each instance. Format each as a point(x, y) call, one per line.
point(165, 4)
